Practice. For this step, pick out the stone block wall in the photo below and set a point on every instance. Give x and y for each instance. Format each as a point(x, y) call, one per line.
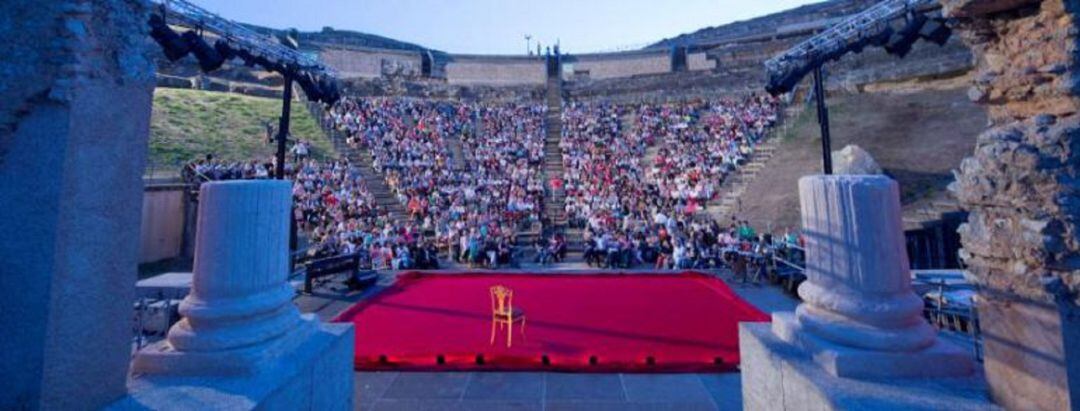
point(74, 125)
point(1022, 239)
point(496, 70)
point(615, 65)
point(699, 61)
point(356, 62)
point(162, 232)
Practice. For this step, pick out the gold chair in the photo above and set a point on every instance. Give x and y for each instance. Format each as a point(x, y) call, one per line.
point(503, 312)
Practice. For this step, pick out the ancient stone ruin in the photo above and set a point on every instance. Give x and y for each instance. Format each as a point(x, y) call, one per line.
point(1022, 239)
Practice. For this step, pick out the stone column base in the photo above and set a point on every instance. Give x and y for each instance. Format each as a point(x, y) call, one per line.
point(312, 373)
point(942, 359)
point(777, 375)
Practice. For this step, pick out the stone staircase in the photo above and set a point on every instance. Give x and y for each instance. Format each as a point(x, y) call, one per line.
point(457, 152)
point(734, 185)
point(384, 197)
point(555, 203)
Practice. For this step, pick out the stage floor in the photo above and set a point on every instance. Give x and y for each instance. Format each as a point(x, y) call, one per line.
point(602, 322)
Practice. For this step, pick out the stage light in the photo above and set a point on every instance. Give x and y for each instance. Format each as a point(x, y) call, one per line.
point(936, 32)
point(175, 48)
point(310, 86)
point(900, 43)
point(439, 359)
point(328, 86)
point(209, 59)
point(789, 80)
point(224, 49)
point(882, 38)
point(266, 63)
point(479, 359)
point(249, 59)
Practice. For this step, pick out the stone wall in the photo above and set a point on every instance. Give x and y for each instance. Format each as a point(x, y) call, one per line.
point(162, 233)
point(74, 124)
point(1022, 239)
point(669, 86)
point(699, 61)
point(356, 62)
point(495, 70)
point(615, 65)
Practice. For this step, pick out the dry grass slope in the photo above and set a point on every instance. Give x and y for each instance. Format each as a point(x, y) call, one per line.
point(918, 138)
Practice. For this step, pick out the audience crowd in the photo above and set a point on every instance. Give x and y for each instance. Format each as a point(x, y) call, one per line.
point(639, 193)
point(472, 205)
point(467, 175)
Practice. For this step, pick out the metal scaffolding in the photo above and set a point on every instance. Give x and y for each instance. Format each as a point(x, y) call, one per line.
point(834, 41)
point(239, 37)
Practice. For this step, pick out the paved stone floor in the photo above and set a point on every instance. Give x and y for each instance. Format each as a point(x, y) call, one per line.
point(544, 390)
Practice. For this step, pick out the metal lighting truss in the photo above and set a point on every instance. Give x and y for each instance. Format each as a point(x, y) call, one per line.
point(242, 38)
point(803, 57)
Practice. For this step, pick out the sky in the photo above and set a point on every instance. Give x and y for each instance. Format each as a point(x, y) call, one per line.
point(500, 26)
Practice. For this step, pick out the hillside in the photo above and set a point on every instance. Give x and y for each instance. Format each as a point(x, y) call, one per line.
point(917, 137)
point(776, 23)
point(187, 124)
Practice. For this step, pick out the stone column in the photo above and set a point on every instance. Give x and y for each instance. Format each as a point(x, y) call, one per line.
point(242, 343)
point(1022, 239)
point(75, 99)
point(240, 303)
point(858, 312)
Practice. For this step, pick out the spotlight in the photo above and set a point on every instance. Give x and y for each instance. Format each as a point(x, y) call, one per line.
point(209, 59)
point(310, 86)
point(224, 49)
point(787, 81)
point(936, 31)
point(882, 38)
point(267, 64)
point(249, 59)
point(175, 48)
point(331, 93)
point(900, 43)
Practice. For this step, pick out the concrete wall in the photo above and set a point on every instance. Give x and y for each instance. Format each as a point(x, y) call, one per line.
point(614, 65)
point(162, 223)
point(361, 62)
point(496, 70)
point(699, 61)
point(78, 81)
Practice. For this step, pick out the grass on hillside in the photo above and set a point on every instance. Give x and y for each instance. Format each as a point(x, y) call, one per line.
point(188, 124)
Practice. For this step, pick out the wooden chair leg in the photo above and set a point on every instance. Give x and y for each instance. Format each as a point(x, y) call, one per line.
point(509, 333)
point(492, 331)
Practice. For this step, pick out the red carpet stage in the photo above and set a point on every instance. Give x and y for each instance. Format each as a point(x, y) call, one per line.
point(684, 322)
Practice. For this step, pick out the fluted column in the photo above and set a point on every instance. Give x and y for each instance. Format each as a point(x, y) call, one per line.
point(858, 287)
point(859, 316)
point(240, 302)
